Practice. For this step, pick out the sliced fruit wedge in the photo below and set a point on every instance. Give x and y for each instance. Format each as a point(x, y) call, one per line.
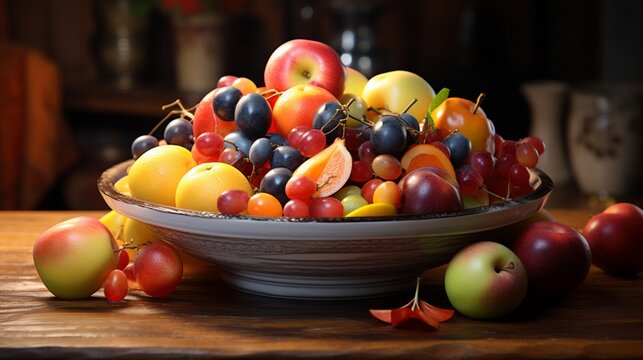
point(329, 169)
point(426, 155)
point(376, 209)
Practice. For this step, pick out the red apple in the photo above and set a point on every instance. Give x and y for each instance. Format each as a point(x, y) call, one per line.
point(485, 280)
point(557, 259)
point(429, 190)
point(615, 239)
point(303, 61)
point(74, 257)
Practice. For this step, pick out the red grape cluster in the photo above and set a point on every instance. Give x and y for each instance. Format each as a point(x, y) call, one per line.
point(157, 269)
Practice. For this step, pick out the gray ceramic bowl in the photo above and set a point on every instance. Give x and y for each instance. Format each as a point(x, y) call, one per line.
point(321, 258)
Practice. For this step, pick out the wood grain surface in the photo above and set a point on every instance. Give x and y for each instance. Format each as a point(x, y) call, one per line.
point(205, 318)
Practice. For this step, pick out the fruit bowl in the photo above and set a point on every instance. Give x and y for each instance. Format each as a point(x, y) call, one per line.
point(322, 258)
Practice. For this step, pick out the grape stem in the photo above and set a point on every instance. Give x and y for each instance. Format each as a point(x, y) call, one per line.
point(494, 194)
point(271, 93)
point(183, 112)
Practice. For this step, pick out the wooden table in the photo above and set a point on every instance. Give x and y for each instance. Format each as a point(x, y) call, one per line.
point(204, 318)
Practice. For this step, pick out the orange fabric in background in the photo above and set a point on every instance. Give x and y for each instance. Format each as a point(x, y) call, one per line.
point(36, 143)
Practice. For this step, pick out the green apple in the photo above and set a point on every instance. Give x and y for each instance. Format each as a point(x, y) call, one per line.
point(485, 280)
point(395, 90)
point(355, 82)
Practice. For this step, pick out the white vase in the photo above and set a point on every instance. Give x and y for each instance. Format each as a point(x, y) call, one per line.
point(547, 101)
point(199, 46)
point(605, 137)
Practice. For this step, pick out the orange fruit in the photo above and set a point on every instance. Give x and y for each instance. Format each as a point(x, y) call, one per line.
point(201, 187)
point(456, 114)
point(426, 155)
point(297, 106)
point(329, 168)
point(155, 175)
point(244, 85)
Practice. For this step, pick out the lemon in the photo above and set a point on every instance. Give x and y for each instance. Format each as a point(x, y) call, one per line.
point(154, 176)
point(138, 233)
point(122, 185)
point(114, 222)
point(201, 187)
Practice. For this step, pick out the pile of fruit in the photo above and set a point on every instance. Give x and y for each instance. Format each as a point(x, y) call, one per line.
point(322, 140)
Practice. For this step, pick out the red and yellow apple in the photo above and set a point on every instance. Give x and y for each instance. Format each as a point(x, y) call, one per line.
point(457, 114)
point(485, 280)
point(74, 257)
point(615, 239)
point(302, 61)
point(395, 90)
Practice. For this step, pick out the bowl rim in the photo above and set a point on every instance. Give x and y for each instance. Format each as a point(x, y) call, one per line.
point(109, 177)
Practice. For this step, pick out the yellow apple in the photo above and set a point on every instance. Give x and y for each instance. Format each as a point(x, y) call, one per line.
point(395, 90)
point(355, 82)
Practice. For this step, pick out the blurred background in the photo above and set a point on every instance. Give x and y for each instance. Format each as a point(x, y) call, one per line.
point(80, 79)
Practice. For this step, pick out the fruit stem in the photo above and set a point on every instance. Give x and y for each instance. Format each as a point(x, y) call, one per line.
point(417, 294)
point(494, 194)
point(272, 93)
point(478, 102)
point(183, 112)
point(409, 106)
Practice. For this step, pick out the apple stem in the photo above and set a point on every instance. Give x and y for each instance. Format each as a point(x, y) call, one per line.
point(409, 106)
point(479, 102)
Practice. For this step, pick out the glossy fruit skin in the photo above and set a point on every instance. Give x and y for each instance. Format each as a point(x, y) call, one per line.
point(395, 90)
point(557, 259)
point(158, 269)
point(355, 82)
point(485, 280)
point(225, 101)
point(253, 115)
point(459, 147)
point(614, 236)
point(297, 106)
point(74, 257)
point(206, 120)
point(274, 183)
point(303, 61)
point(389, 136)
point(457, 114)
point(242, 142)
point(286, 157)
point(428, 190)
point(327, 118)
